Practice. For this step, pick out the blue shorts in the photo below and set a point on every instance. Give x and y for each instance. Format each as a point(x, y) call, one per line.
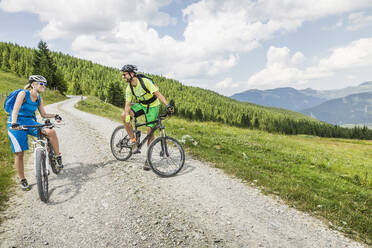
point(18, 138)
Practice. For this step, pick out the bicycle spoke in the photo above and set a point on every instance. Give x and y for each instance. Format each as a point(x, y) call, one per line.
point(119, 144)
point(169, 162)
point(174, 161)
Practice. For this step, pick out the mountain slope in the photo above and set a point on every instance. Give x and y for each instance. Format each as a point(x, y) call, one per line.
point(352, 109)
point(288, 98)
point(338, 93)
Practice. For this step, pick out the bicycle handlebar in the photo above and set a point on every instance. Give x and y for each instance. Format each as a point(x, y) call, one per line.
point(26, 127)
point(46, 124)
point(160, 117)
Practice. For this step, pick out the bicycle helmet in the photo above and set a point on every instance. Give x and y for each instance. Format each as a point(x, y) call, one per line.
point(129, 68)
point(36, 78)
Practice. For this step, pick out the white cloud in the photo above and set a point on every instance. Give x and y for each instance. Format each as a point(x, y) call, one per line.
point(308, 9)
point(224, 83)
point(297, 58)
point(277, 56)
point(114, 32)
point(71, 18)
point(227, 83)
point(280, 68)
point(338, 24)
point(357, 54)
point(351, 77)
point(359, 20)
point(222, 64)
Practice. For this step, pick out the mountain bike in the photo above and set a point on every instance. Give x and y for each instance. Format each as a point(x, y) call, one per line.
point(165, 154)
point(44, 154)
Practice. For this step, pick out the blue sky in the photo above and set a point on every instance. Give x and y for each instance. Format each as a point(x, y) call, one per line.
point(224, 46)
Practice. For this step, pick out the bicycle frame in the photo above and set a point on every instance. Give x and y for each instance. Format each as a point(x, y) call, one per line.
point(42, 142)
point(158, 126)
point(160, 151)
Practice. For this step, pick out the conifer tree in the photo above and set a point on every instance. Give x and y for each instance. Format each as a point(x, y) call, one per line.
point(41, 63)
point(111, 93)
point(44, 65)
point(5, 60)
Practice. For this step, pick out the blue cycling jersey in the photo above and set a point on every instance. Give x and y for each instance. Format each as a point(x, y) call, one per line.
point(27, 109)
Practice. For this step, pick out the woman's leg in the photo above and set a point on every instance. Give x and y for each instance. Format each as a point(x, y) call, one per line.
point(19, 164)
point(53, 139)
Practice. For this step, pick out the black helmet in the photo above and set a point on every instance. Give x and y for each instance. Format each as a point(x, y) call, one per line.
point(129, 68)
point(36, 78)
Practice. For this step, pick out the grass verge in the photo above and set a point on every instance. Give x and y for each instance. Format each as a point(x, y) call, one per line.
point(328, 178)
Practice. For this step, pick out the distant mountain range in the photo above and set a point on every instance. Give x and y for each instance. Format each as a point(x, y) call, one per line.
point(342, 106)
point(288, 98)
point(352, 109)
point(332, 94)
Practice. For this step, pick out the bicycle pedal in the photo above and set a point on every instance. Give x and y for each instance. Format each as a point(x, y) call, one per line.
point(135, 152)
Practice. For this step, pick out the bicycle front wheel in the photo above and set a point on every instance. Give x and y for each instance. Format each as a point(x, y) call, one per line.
point(166, 156)
point(41, 175)
point(119, 144)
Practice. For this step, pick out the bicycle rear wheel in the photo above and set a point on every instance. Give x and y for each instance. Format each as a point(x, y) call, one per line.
point(119, 144)
point(41, 175)
point(166, 156)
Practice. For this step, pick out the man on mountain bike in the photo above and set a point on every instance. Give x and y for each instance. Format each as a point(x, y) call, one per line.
point(22, 113)
point(146, 102)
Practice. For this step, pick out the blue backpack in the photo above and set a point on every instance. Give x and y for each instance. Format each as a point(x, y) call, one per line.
point(11, 99)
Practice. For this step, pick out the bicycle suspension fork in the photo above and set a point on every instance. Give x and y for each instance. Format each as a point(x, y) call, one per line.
point(40, 144)
point(164, 146)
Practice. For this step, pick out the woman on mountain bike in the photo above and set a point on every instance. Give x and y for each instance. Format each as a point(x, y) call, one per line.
point(146, 95)
point(23, 113)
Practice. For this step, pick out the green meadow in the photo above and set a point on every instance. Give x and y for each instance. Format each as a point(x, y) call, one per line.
point(328, 178)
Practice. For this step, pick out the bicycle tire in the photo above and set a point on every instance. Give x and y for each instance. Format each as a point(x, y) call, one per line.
point(118, 142)
point(173, 148)
point(41, 175)
point(52, 161)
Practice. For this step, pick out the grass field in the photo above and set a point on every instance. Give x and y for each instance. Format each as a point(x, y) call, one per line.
point(329, 178)
point(8, 83)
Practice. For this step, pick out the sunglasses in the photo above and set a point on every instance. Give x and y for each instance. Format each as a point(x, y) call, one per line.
point(43, 84)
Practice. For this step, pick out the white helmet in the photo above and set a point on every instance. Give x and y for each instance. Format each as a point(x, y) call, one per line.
point(36, 78)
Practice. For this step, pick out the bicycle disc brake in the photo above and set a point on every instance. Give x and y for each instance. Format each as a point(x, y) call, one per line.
point(123, 143)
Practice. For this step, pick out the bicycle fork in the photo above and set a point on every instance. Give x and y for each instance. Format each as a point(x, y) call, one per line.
point(164, 146)
point(40, 145)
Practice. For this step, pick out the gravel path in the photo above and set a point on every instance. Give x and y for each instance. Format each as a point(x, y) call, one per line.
point(99, 202)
